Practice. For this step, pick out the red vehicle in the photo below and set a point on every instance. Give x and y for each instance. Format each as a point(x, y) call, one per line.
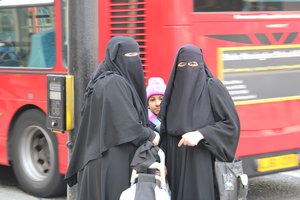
point(31, 46)
point(252, 46)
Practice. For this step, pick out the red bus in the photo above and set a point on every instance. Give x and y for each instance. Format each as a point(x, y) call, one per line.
point(253, 46)
point(32, 40)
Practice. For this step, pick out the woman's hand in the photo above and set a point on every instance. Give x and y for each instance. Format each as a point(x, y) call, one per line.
point(190, 138)
point(155, 141)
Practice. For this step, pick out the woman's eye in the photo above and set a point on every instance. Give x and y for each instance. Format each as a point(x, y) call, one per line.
point(193, 64)
point(131, 54)
point(181, 64)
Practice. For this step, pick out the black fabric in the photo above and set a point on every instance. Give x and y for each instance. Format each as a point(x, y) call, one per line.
point(129, 67)
point(144, 156)
point(185, 93)
point(222, 136)
point(194, 100)
point(145, 187)
point(106, 177)
point(113, 124)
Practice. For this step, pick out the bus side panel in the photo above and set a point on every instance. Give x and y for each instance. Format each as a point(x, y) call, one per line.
point(3, 152)
point(15, 96)
point(167, 30)
point(269, 125)
point(62, 152)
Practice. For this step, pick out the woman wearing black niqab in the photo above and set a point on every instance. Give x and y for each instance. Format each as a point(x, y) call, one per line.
point(199, 124)
point(113, 124)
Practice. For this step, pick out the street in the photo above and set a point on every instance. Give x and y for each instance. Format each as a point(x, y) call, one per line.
point(271, 187)
point(9, 189)
point(282, 186)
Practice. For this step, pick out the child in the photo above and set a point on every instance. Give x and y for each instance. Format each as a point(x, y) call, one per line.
point(155, 93)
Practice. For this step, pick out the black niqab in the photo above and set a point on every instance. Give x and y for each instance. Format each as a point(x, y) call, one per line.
point(131, 68)
point(186, 92)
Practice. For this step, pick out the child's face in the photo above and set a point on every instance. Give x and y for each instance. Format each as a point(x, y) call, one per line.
point(154, 103)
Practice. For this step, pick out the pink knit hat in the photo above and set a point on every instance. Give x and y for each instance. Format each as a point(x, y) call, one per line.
point(156, 85)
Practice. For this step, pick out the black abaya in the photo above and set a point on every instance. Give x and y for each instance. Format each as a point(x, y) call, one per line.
point(206, 106)
point(113, 124)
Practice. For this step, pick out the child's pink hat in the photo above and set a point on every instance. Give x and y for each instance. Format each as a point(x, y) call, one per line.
point(156, 85)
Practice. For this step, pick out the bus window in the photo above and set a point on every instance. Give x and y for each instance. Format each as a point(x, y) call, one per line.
point(27, 37)
point(64, 22)
point(245, 5)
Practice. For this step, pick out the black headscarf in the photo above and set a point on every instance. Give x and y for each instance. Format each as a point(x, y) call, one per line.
point(130, 67)
point(186, 92)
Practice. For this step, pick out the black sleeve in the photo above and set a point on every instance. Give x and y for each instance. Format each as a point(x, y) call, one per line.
point(110, 118)
point(222, 137)
point(125, 125)
point(141, 138)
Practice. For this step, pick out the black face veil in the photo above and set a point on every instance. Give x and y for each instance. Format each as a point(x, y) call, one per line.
point(186, 94)
point(122, 56)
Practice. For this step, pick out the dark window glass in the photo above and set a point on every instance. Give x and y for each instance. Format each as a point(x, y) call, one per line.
point(245, 5)
point(27, 37)
point(64, 32)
